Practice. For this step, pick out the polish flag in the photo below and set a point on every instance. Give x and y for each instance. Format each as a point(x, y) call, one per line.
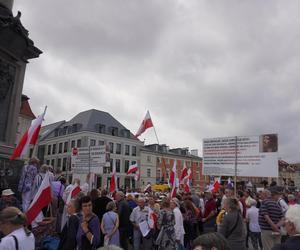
point(40, 200)
point(74, 191)
point(216, 185)
point(137, 175)
point(132, 169)
point(29, 138)
point(172, 180)
point(184, 173)
point(186, 181)
point(113, 181)
point(148, 188)
point(146, 123)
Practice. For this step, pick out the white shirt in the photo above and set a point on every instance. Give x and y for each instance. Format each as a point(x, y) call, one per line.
point(179, 229)
point(25, 242)
point(283, 205)
point(252, 216)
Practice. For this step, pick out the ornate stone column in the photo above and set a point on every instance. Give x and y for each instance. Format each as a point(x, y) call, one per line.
point(16, 48)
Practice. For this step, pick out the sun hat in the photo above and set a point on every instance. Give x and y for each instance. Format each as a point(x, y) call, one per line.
point(7, 192)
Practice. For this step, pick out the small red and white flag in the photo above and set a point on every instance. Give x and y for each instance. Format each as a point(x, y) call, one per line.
point(184, 173)
point(42, 199)
point(172, 180)
point(148, 188)
point(216, 185)
point(74, 191)
point(186, 181)
point(113, 181)
point(146, 123)
point(132, 169)
point(29, 138)
point(137, 175)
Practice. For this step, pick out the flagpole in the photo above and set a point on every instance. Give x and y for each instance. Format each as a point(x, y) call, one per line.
point(156, 135)
point(235, 167)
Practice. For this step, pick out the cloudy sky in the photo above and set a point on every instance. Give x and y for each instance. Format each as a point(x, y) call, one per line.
point(203, 68)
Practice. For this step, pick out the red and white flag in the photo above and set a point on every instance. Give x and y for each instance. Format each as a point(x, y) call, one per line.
point(184, 173)
point(216, 185)
point(148, 188)
point(132, 169)
point(113, 181)
point(146, 123)
point(74, 191)
point(137, 175)
point(186, 181)
point(172, 180)
point(41, 199)
point(29, 138)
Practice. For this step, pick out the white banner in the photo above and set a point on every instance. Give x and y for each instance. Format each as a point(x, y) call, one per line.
point(256, 156)
point(87, 159)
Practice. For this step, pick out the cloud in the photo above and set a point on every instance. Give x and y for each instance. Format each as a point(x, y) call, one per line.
point(203, 68)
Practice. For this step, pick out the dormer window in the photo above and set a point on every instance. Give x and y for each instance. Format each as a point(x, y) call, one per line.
point(114, 131)
point(100, 128)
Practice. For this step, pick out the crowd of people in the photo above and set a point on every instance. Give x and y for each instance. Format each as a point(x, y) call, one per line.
point(92, 219)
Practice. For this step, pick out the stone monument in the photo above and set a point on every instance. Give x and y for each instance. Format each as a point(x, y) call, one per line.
point(16, 48)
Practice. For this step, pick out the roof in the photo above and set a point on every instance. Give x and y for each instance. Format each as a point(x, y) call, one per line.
point(90, 120)
point(25, 108)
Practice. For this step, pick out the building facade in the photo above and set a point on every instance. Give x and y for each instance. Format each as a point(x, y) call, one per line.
point(157, 162)
point(91, 128)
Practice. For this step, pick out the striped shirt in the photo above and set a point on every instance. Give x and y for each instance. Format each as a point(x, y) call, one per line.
point(271, 208)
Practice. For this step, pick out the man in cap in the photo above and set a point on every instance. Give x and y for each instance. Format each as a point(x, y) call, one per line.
point(8, 200)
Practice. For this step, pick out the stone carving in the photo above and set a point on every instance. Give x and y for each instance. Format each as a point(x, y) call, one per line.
point(7, 75)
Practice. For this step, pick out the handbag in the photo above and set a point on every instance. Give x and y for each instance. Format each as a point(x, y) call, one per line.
point(160, 236)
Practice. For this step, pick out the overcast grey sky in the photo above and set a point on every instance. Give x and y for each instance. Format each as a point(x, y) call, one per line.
point(202, 68)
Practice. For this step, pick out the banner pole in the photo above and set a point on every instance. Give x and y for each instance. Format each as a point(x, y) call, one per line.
point(156, 135)
point(235, 168)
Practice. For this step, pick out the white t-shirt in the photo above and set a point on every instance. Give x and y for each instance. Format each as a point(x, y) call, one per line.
point(25, 242)
point(252, 216)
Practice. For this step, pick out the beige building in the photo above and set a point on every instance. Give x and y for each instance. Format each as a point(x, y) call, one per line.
point(157, 161)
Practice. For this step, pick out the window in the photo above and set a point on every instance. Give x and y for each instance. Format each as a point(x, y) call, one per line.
point(52, 162)
point(59, 163)
point(73, 144)
point(48, 162)
point(111, 165)
point(92, 142)
point(60, 148)
point(101, 129)
point(114, 131)
point(49, 150)
point(126, 166)
point(54, 149)
point(100, 143)
point(133, 152)
point(133, 162)
point(127, 148)
point(148, 158)
point(148, 172)
point(56, 132)
point(78, 143)
point(111, 147)
point(118, 148)
point(66, 145)
point(64, 166)
point(118, 165)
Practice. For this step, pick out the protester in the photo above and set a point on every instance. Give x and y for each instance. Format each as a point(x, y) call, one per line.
point(190, 223)
point(140, 214)
point(124, 213)
point(166, 239)
point(38, 179)
point(110, 225)
point(179, 228)
point(291, 199)
point(270, 215)
point(254, 228)
point(69, 231)
point(99, 208)
point(232, 225)
point(9, 200)
point(209, 216)
point(292, 225)
point(211, 241)
point(12, 222)
point(26, 181)
point(88, 234)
